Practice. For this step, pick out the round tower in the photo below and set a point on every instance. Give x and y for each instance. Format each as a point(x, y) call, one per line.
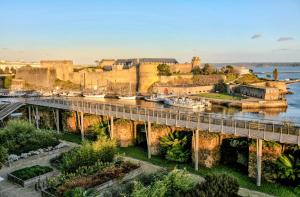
point(196, 62)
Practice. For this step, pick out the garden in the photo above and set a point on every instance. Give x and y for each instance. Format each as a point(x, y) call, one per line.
point(30, 175)
point(20, 139)
point(93, 165)
point(281, 171)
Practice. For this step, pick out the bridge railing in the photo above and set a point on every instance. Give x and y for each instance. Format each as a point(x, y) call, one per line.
point(281, 127)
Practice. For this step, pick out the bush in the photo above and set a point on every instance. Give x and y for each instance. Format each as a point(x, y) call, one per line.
point(31, 172)
point(218, 185)
point(3, 155)
point(20, 136)
point(88, 154)
point(176, 146)
point(175, 183)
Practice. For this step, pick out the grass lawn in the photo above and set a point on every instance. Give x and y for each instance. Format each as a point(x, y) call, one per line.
point(71, 137)
point(220, 96)
point(243, 179)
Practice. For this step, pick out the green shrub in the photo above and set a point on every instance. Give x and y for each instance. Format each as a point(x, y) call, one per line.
point(218, 185)
point(176, 146)
point(88, 154)
point(174, 183)
point(20, 136)
point(3, 155)
point(288, 169)
point(81, 192)
point(31, 172)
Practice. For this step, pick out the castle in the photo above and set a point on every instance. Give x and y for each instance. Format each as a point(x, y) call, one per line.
point(141, 73)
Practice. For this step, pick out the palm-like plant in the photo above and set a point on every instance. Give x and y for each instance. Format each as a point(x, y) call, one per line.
point(288, 167)
point(174, 146)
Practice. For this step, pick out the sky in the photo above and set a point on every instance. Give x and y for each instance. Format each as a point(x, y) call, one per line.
point(215, 30)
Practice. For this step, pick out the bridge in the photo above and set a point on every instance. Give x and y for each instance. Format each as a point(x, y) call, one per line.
point(259, 129)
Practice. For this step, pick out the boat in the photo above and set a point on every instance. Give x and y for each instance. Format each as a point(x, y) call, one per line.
point(184, 103)
point(156, 98)
point(130, 96)
point(94, 95)
point(74, 94)
point(127, 97)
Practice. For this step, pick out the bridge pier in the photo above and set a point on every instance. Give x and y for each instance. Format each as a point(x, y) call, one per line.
point(111, 127)
point(196, 138)
point(81, 126)
point(259, 143)
point(29, 114)
point(37, 117)
point(57, 120)
point(148, 130)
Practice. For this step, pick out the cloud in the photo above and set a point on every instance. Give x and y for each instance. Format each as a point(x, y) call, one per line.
point(255, 36)
point(282, 39)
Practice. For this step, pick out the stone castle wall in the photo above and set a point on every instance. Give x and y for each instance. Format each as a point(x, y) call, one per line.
point(63, 68)
point(182, 90)
point(181, 68)
point(148, 75)
point(43, 77)
point(103, 78)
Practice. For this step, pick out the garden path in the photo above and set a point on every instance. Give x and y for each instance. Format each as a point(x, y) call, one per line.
point(8, 189)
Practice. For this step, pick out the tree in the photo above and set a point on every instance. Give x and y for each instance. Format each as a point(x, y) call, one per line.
point(275, 74)
point(1, 71)
point(208, 69)
point(6, 70)
point(164, 69)
point(13, 70)
point(197, 71)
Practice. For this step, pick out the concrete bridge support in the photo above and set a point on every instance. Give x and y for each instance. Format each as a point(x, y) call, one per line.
point(82, 125)
point(259, 143)
point(37, 117)
point(148, 131)
point(57, 120)
point(196, 133)
point(111, 127)
point(29, 114)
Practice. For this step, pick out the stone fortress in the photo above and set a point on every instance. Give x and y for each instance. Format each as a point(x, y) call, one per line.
point(140, 73)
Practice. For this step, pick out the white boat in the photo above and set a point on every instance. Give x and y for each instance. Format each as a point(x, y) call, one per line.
point(94, 95)
point(127, 97)
point(74, 93)
point(184, 103)
point(130, 96)
point(156, 98)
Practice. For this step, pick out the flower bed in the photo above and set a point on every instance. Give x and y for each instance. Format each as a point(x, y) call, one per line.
point(30, 175)
point(39, 152)
point(89, 177)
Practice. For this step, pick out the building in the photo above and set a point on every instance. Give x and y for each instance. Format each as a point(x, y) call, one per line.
point(266, 93)
point(17, 64)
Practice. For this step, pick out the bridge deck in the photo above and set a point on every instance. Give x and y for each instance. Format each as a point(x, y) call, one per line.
point(280, 131)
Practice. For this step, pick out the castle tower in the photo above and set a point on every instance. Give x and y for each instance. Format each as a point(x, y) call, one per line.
point(196, 62)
